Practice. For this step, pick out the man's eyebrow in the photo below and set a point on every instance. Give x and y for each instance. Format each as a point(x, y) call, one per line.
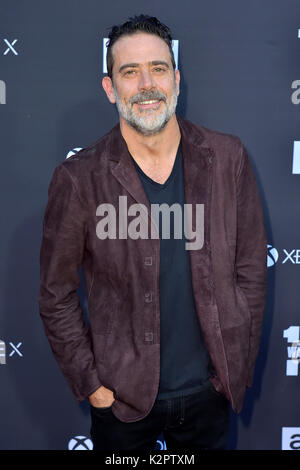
point(125, 66)
point(160, 62)
point(135, 64)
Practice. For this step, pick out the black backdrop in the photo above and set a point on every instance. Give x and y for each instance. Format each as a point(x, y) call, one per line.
point(240, 73)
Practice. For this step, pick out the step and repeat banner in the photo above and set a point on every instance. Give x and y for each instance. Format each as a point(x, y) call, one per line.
point(240, 74)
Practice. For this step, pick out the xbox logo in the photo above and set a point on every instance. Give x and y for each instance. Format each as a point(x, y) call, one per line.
point(73, 152)
point(272, 256)
point(160, 445)
point(80, 443)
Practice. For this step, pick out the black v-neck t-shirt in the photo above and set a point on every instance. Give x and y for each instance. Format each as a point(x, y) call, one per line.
point(184, 361)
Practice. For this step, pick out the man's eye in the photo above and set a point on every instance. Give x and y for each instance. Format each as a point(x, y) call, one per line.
point(129, 72)
point(159, 69)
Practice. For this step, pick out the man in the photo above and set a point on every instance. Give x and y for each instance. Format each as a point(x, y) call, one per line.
point(174, 327)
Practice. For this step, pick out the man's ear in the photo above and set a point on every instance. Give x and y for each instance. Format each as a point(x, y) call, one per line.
point(108, 88)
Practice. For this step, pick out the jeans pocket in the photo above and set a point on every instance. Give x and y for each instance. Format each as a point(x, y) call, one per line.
point(98, 410)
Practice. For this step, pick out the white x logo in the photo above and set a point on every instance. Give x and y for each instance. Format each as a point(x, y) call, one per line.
point(10, 47)
point(15, 349)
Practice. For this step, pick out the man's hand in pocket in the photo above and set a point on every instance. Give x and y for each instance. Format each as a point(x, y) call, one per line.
point(102, 397)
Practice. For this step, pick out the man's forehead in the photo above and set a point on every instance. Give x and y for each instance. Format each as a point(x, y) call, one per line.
point(140, 48)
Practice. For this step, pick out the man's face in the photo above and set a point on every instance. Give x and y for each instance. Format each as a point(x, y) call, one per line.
point(145, 86)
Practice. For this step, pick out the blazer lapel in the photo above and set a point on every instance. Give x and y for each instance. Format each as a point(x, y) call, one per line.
point(197, 171)
point(124, 171)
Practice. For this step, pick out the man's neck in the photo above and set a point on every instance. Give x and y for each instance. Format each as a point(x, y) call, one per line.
point(156, 149)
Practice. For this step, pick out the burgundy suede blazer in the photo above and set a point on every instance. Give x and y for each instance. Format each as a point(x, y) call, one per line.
point(120, 349)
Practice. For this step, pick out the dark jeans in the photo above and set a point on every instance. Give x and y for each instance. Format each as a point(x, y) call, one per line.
point(192, 422)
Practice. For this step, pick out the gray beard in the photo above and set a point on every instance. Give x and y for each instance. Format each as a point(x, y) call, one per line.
point(153, 122)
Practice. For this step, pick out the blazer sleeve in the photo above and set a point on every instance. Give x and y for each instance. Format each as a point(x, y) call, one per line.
point(251, 254)
point(62, 249)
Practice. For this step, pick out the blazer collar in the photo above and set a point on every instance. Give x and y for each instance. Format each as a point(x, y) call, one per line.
point(190, 136)
point(197, 162)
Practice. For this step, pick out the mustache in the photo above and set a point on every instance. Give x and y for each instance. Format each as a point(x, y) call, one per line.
point(148, 95)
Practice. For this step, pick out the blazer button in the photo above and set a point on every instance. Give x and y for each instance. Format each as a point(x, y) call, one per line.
point(148, 261)
point(148, 297)
point(149, 336)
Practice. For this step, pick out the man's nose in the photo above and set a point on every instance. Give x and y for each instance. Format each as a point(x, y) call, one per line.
point(146, 81)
